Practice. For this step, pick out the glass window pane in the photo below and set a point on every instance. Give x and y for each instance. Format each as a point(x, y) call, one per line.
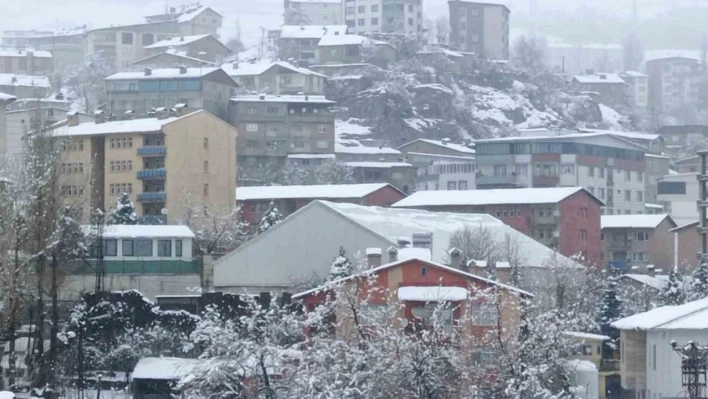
point(143, 247)
point(178, 248)
point(164, 248)
point(127, 247)
point(110, 248)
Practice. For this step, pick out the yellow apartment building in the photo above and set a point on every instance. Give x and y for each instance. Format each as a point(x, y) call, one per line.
point(163, 162)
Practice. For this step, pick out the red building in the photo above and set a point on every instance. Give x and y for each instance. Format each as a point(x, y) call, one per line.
point(254, 200)
point(563, 218)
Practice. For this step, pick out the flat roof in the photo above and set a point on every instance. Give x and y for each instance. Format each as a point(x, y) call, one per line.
point(323, 191)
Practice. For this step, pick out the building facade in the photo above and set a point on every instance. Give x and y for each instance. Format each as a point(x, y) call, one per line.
point(26, 62)
point(385, 16)
point(308, 12)
point(203, 47)
point(22, 121)
point(638, 89)
point(441, 164)
point(481, 28)
point(638, 240)
point(673, 83)
point(299, 42)
point(611, 168)
point(400, 174)
point(65, 46)
point(678, 194)
point(610, 88)
point(275, 77)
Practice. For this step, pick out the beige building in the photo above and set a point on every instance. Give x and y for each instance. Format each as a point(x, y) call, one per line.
point(480, 27)
point(278, 77)
point(637, 240)
point(164, 163)
point(204, 47)
point(170, 59)
point(25, 62)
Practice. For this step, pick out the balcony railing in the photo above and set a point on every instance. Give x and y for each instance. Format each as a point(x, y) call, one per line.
point(507, 180)
point(152, 151)
point(152, 196)
point(152, 174)
point(610, 365)
point(619, 264)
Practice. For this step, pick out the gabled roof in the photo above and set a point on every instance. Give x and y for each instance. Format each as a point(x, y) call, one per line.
point(272, 98)
point(361, 149)
point(168, 73)
point(656, 282)
point(689, 316)
point(634, 221)
point(684, 226)
point(177, 41)
point(452, 146)
point(311, 31)
point(332, 191)
point(341, 40)
point(509, 196)
point(392, 265)
point(258, 68)
point(142, 125)
point(7, 98)
point(176, 55)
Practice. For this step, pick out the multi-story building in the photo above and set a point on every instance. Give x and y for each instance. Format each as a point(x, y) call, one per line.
point(203, 47)
point(673, 83)
point(441, 164)
point(170, 59)
point(658, 166)
point(567, 218)
point(166, 164)
point(480, 27)
point(5, 100)
point(273, 127)
point(610, 88)
point(577, 58)
point(150, 89)
point(638, 240)
point(193, 19)
point(678, 194)
point(25, 86)
point(386, 16)
point(66, 46)
point(313, 12)
point(254, 201)
point(687, 247)
point(400, 174)
point(25, 62)
point(678, 136)
point(278, 77)
point(638, 89)
point(611, 168)
point(22, 121)
point(703, 204)
point(299, 42)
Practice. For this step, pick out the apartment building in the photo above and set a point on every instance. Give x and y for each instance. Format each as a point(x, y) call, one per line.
point(170, 59)
point(385, 16)
point(151, 89)
point(22, 121)
point(25, 86)
point(5, 101)
point(673, 83)
point(299, 42)
point(25, 62)
point(638, 89)
point(313, 12)
point(611, 168)
point(164, 163)
point(203, 47)
point(65, 46)
point(278, 77)
point(480, 27)
point(678, 136)
point(441, 164)
point(678, 194)
point(272, 127)
point(566, 219)
point(638, 240)
point(610, 88)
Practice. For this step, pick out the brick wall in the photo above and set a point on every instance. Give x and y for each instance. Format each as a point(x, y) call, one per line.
point(580, 212)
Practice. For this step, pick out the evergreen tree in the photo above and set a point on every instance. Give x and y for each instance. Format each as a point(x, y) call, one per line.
point(673, 292)
point(123, 212)
point(611, 310)
point(270, 218)
point(699, 285)
point(341, 267)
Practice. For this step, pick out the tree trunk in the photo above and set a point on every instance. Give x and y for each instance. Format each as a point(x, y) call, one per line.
point(54, 292)
point(12, 357)
point(38, 354)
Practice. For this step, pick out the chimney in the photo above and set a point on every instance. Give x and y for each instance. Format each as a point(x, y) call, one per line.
point(392, 254)
point(14, 79)
point(181, 39)
point(603, 76)
point(235, 65)
point(162, 113)
point(147, 71)
point(455, 257)
point(72, 118)
point(182, 69)
point(589, 71)
point(130, 114)
point(307, 98)
point(651, 271)
point(261, 96)
point(181, 109)
point(100, 116)
point(373, 256)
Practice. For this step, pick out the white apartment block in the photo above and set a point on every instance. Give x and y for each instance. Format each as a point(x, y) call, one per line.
point(314, 12)
point(386, 16)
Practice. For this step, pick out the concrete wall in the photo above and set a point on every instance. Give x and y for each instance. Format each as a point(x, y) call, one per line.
point(149, 285)
point(633, 362)
point(689, 245)
point(682, 206)
point(663, 377)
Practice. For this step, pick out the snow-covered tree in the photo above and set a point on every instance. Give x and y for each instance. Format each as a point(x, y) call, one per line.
point(217, 230)
point(332, 172)
point(123, 211)
point(699, 284)
point(673, 292)
point(611, 308)
point(85, 81)
point(529, 52)
point(341, 267)
point(270, 218)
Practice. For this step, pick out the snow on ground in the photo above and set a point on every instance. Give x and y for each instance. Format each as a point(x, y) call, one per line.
point(611, 117)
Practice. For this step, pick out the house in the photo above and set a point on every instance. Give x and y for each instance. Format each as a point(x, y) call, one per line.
point(144, 91)
point(277, 77)
point(441, 164)
point(399, 174)
point(25, 86)
point(298, 249)
point(171, 59)
point(565, 218)
point(637, 240)
point(687, 164)
point(153, 259)
point(679, 193)
point(192, 19)
point(255, 200)
point(687, 246)
point(678, 136)
point(480, 27)
point(611, 89)
point(339, 49)
point(204, 47)
point(166, 163)
point(589, 347)
point(309, 12)
point(273, 127)
point(649, 365)
point(25, 61)
point(417, 287)
point(299, 42)
point(65, 45)
point(673, 82)
point(367, 16)
point(610, 167)
point(638, 85)
point(156, 377)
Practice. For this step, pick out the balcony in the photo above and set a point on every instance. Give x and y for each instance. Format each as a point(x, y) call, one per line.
point(619, 264)
point(152, 219)
point(152, 196)
point(153, 151)
point(152, 174)
point(496, 181)
point(610, 365)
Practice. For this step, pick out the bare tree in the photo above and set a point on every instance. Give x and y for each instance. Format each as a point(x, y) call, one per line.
point(529, 52)
point(511, 251)
point(86, 81)
point(478, 243)
point(442, 30)
point(632, 52)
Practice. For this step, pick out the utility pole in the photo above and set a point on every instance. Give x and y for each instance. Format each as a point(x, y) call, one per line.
point(693, 368)
point(98, 227)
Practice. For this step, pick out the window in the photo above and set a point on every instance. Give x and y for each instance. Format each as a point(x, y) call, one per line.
point(671, 187)
point(475, 38)
point(522, 170)
point(252, 127)
point(143, 247)
point(321, 144)
point(374, 21)
point(640, 176)
point(126, 38)
point(375, 8)
point(322, 129)
point(164, 248)
point(127, 247)
point(434, 314)
point(361, 9)
point(272, 110)
point(601, 193)
point(627, 195)
point(298, 144)
point(568, 169)
point(206, 189)
point(653, 357)
point(206, 143)
point(602, 171)
point(148, 39)
point(452, 185)
point(423, 270)
point(110, 247)
point(484, 314)
point(252, 143)
point(583, 235)
point(360, 22)
point(642, 236)
point(251, 111)
point(462, 185)
point(591, 171)
point(410, 7)
point(206, 166)
point(627, 175)
point(499, 170)
point(640, 196)
point(639, 256)
point(178, 248)
point(474, 12)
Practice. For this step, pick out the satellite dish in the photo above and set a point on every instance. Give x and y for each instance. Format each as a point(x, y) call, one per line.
point(556, 213)
point(556, 234)
point(163, 211)
point(404, 323)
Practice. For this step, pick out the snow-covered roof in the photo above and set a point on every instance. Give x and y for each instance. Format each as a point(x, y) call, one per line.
point(190, 13)
point(382, 165)
point(561, 137)
point(143, 231)
point(314, 191)
point(599, 78)
point(7, 395)
point(164, 73)
point(311, 156)
point(176, 41)
point(656, 282)
point(392, 223)
point(11, 79)
point(653, 206)
point(272, 98)
point(341, 40)
point(311, 31)
point(318, 1)
point(634, 74)
point(584, 335)
point(632, 221)
point(5, 52)
point(689, 316)
point(7, 98)
point(414, 253)
point(432, 294)
point(628, 135)
point(257, 68)
point(350, 127)
point(455, 147)
point(164, 368)
point(112, 127)
point(509, 196)
point(344, 149)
